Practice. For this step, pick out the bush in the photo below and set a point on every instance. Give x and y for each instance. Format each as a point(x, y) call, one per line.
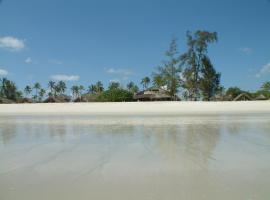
point(115, 95)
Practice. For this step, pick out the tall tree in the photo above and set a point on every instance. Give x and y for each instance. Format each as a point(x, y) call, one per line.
point(132, 87)
point(92, 89)
point(158, 81)
point(169, 72)
point(61, 85)
point(99, 87)
point(36, 87)
point(41, 94)
point(192, 60)
point(75, 91)
point(114, 85)
point(27, 90)
point(81, 89)
point(51, 86)
point(210, 80)
point(8, 89)
point(266, 86)
point(145, 82)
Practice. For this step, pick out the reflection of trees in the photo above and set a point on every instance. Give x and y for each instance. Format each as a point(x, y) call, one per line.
point(191, 141)
point(7, 132)
point(201, 140)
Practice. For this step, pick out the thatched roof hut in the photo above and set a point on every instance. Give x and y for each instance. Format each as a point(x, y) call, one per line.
point(80, 99)
point(152, 94)
point(5, 101)
point(261, 97)
point(242, 97)
point(51, 100)
point(25, 100)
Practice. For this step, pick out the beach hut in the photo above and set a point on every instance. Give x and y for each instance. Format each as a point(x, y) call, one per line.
point(261, 97)
point(242, 97)
point(153, 94)
point(51, 100)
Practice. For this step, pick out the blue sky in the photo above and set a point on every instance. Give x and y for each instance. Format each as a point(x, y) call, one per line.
point(83, 41)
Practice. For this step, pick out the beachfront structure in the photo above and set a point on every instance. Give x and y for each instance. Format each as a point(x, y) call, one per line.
point(261, 97)
point(242, 97)
point(153, 94)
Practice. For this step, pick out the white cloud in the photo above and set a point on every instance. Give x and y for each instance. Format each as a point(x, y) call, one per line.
point(11, 43)
point(246, 50)
point(265, 70)
point(64, 77)
point(28, 60)
point(56, 62)
point(3, 72)
point(121, 72)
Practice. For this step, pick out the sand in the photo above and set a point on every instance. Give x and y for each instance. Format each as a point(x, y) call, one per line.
point(138, 108)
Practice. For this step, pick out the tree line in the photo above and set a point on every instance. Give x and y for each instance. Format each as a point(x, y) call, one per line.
point(190, 75)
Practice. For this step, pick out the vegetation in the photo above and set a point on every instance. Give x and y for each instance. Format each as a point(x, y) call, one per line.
point(194, 60)
point(189, 76)
point(169, 73)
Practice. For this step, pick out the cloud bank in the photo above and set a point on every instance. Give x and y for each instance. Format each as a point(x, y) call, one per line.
point(64, 77)
point(11, 43)
point(265, 70)
point(3, 72)
point(28, 60)
point(246, 50)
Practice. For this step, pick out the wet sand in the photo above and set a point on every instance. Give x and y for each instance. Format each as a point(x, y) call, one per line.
point(135, 157)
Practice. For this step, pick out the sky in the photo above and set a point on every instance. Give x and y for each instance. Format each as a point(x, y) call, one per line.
point(84, 41)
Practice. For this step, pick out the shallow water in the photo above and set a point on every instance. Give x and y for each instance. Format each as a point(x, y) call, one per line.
point(138, 157)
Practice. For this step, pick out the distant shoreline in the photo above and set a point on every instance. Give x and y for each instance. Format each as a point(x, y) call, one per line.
point(137, 108)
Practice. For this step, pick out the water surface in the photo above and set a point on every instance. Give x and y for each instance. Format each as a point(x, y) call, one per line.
point(135, 157)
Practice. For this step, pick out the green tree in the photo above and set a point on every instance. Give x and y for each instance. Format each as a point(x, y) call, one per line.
point(81, 89)
point(75, 91)
point(36, 87)
point(8, 89)
point(158, 81)
point(52, 86)
point(210, 80)
point(27, 90)
point(61, 87)
point(115, 95)
point(169, 73)
point(266, 86)
point(132, 87)
point(114, 85)
point(233, 92)
point(192, 60)
point(99, 87)
point(92, 89)
point(41, 94)
point(145, 82)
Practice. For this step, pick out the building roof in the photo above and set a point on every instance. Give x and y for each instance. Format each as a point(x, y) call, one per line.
point(242, 97)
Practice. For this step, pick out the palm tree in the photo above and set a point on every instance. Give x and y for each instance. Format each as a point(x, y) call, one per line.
point(27, 90)
point(266, 86)
point(92, 89)
point(51, 86)
point(114, 85)
point(130, 85)
point(37, 87)
point(61, 87)
point(75, 91)
point(42, 92)
point(145, 82)
point(99, 87)
point(81, 89)
point(8, 89)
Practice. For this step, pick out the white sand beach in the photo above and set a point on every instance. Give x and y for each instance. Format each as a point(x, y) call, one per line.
point(138, 108)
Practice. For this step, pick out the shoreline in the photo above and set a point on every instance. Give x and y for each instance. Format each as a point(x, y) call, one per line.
point(138, 108)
